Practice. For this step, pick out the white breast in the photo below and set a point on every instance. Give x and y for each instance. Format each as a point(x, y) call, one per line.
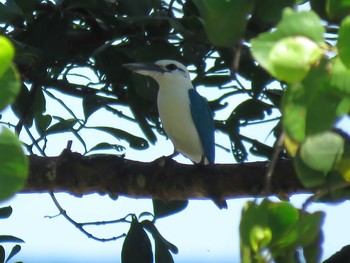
point(175, 114)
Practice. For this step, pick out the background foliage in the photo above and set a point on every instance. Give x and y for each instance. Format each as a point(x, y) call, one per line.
point(294, 66)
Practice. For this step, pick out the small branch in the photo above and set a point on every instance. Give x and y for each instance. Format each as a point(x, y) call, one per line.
point(80, 226)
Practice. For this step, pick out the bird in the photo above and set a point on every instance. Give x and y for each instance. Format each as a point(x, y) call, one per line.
point(185, 115)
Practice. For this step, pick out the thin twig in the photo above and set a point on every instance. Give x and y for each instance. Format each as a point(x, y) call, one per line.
point(80, 226)
point(271, 167)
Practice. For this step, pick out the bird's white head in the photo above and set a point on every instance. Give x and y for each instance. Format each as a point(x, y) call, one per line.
point(163, 71)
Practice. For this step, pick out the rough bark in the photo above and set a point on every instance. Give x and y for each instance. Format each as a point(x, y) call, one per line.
point(164, 178)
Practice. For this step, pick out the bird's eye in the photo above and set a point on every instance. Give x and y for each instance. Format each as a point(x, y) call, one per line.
point(171, 67)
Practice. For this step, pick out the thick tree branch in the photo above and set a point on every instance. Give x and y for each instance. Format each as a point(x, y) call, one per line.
point(164, 178)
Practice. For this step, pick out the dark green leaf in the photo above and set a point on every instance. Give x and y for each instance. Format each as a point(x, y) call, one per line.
point(14, 251)
point(337, 9)
point(162, 253)
point(252, 109)
point(212, 80)
point(343, 41)
point(92, 103)
point(164, 208)
point(107, 146)
point(95, 6)
point(225, 21)
point(2, 254)
point(9, 11)
point(135, 8)
point(62, 126)
point(134, 141)
point(5, 212)
point(270, 11)
point(10, 239)
point(319, 6)
point(158, 237)
point(42, 122)
point(137, 246)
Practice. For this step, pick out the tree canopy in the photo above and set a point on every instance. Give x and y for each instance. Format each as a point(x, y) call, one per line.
point(288, 61)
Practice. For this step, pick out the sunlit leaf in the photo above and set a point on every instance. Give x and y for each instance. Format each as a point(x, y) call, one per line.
point(308, 176)
point(293, 26)
point(13, 164)
point(7, 52)
point(9, 87)
point(322, 151)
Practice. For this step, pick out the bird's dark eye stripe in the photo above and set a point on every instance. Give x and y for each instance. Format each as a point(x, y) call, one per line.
point(171, 67)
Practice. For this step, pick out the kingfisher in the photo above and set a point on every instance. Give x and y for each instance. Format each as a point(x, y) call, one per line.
point(185, 115)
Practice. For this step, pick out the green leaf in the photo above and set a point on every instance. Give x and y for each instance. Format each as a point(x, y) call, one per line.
point(343, 41)
point(312, 106)
point(5, 212)
point(294, 25)
point(7, 53)
point(9, 87)
point(337, 9)
point(340, 77)
point(322, 151)
point(294, 108)
point(281, 217)
point(13, 164)
point(260, 237)
point(134, 141)
point(10, 239)
point(308, 177)
point(137, 246)
point(225, 21)
point(14, 251)
point(278, 230)
point(291, 58)
point(164, 208)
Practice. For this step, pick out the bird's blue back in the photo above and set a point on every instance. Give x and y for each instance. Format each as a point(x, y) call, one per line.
point(203, 120)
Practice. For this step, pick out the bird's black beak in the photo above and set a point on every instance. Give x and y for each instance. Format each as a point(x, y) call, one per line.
point(148, 69)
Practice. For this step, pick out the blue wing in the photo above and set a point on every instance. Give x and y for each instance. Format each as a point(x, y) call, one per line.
point(203, 120)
